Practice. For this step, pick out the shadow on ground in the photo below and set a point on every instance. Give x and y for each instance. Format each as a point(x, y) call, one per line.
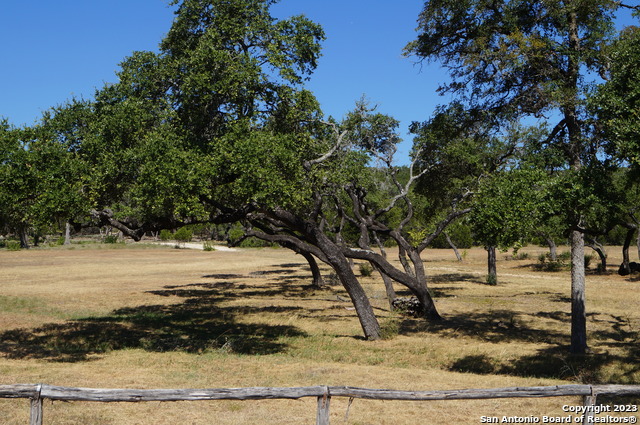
point(616, 359)
point(198, 323)
point(491, 326)
point(557, 363)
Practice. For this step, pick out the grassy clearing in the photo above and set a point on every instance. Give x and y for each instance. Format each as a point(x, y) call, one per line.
point(135, 317)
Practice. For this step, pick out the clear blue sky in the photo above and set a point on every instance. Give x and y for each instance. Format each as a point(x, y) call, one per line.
point(54, 50)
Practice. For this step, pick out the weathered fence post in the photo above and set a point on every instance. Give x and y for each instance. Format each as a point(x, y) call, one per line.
point(323, 408)
point(589, 400)
point(36, 408)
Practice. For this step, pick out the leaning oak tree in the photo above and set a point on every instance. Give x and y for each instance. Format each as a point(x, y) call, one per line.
point(216, 127)
point(526, 59)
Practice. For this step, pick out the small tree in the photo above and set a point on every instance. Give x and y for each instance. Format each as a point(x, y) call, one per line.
point(508, 209)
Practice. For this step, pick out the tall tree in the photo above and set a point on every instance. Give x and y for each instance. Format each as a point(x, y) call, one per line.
point(519, 59)
point(41, 183)
point(617, 101)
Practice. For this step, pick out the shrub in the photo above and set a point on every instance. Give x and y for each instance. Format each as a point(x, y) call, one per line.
point(165, 235)
point(546, 264)
point(390, 328)
point(587, 260)
point(111, 239)
point(365, 269)
point(184, 234)
point(208, 246)
point(13, 245)
point(554, 266)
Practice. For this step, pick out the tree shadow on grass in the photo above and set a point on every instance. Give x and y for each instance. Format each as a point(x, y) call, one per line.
point(495, 326)
point(195, 325)
point(617, 359)
point(558, 363)
point(457, 277)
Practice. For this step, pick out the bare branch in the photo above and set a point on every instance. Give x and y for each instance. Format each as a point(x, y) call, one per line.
point(339, 142)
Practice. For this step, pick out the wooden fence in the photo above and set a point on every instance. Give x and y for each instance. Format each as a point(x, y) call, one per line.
point(40, 392)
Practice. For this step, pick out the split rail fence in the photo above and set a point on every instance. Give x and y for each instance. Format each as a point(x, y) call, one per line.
point(38, 393)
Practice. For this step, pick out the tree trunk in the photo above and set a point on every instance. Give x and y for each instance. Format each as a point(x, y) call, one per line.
point(67, 233)
point(420, 289)
point(624, 269)
point(318, 282)
point(388, 287)
point(388, 283)
point(367, 318)
point(599, 249)
point(24, 237)
point(451, 244)
point(492, 269)
point(553, 249)
point(340, 264)
point(578, 299)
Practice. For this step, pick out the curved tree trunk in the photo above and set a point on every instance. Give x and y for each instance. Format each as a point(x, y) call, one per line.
point(317, 282)
point(388, 287)
point(388, 283)
point(599, 249)
point(553, 249)
point(452, 245)
point(420, 288)
point(340, 264)
point(367, 318)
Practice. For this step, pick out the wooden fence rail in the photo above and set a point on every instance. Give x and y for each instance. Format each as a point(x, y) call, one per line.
point(39, 392)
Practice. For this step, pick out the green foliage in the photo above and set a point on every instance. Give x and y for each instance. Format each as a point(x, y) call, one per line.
point(235, 233)
point(460, 234)
point(587, 260)
point(390, 328)
point(217, 116)
point(208, 246)
point(365, 269)
point(492, 280)
point(509, 207)
point(111, 239)
point(40, 179)
point(183, 234)
point(12, 245)
point(617, 101)
point(498, 54)
point(548, 265)
point(166, 235)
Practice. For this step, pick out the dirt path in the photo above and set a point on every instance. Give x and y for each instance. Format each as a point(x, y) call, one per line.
point(196, 245)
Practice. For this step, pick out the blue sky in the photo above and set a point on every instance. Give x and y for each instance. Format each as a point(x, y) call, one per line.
point(53, 51)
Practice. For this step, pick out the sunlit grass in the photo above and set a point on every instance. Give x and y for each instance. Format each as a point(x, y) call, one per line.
point(166, 318)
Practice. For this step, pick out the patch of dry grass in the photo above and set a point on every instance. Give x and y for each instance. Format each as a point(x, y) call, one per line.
point(167, 318)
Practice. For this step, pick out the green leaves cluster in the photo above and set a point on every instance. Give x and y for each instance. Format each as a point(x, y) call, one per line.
point(510, 206)
point(617, 101)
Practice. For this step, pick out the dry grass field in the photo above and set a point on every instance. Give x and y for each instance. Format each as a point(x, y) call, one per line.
point(155, 317)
